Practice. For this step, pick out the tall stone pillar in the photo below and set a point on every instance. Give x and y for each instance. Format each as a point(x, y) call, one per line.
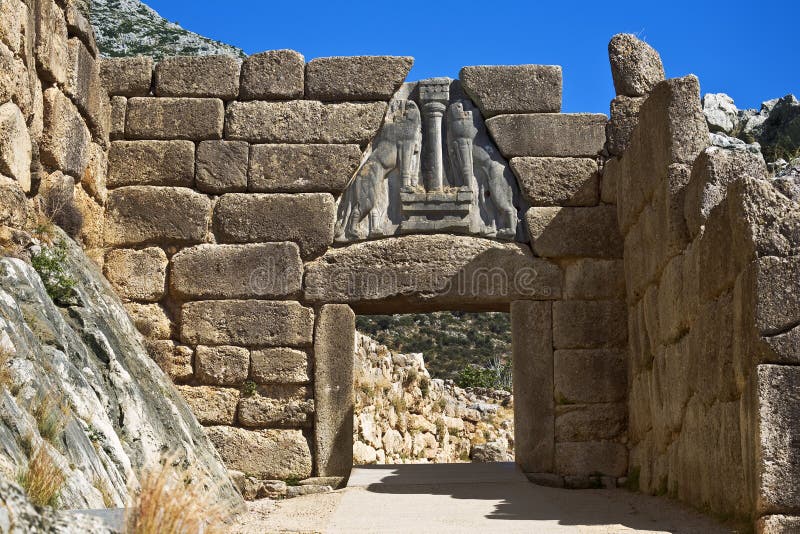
point(434, 94)
point(334, 346)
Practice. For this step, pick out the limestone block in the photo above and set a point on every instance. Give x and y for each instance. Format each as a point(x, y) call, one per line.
point(575, 232)
point(15, 146)
point(276, 406)
point(777, 467)
point(222, 166)
point(608, 184)
point(635, 66)
point(15, 82)
point(119, 105)
point(592, 279)
point(624, 118)
point(264, 270)
point(83, 86)
point(211, 406)
point(549, 134)
point(51, 41)
point(279, 365)
point(151, 320)
point(302, 168)
point(579, 324)
point(305, 218)
point(356, 77)
point(13, 207)
point(175, 360)
point(430, 271)
point(590, 422)
point(215, 76)
point(246, 322)
point(127, 76)
point(778, 524)
point(557, 181)
point(777, 308)
point(534, 409)
point(151, 163)
point(591, 457)
point(304, 121)
point(334, 347)
point(13, 19)
point(267, 454)
point(138, 215)
point(137, 274)
point(78, 26)
point(273, 75)
point(504, 89)
point(590, 376)
point(94, 179)
point(196, 119)
point(65, 140)
point(221, 366)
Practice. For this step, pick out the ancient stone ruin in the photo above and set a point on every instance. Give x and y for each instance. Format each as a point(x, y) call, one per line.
point(244, 212)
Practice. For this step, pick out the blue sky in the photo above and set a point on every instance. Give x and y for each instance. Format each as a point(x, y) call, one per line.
point(745, 49)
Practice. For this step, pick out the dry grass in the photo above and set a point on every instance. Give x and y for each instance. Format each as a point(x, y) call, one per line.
point(174, 501)
point(51, 414)
point(102, 485)
point(42, 480)
point(6, 378)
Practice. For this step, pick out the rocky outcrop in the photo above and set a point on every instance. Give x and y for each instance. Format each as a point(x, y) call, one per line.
point(403, 416)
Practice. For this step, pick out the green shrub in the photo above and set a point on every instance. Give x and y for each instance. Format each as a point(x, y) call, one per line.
point(51, 264)
point(496, 375)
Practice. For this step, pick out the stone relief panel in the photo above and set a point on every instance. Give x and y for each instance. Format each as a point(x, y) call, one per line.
point(432, 168)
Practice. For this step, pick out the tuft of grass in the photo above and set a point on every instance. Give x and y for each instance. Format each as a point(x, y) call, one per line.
point(6, 378)
point(249, 388)
point(51, 264)
point(50, 413)
point(171, 500)
point(42, 479)
point(399, 403)
point(425, 387)
point(102, 486)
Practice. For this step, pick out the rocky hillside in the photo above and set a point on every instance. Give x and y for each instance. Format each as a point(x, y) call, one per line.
point(404, 416)
point(131, 28)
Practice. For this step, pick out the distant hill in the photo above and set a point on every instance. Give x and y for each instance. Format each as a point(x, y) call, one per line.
point(131, 28)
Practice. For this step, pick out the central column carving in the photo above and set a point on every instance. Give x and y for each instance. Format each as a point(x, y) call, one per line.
point(434, 94)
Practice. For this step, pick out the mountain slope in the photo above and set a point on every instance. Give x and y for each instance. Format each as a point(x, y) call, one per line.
point(131, 28)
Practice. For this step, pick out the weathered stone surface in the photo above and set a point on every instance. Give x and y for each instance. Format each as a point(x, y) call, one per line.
point(119, 106)
point(534, 407)
point(590, 376)
point(15, 146)
point(778, 524)
point(591, 279)
point(94, 179)
point(430, 271)
point(93, 220)
point(196, 119)
point(334, 346)
point(127, 76)
point(589, 324)
point(279, 365)
point(356, 77)
point(513, 88)
point(78, 26)
point(84, 88)
point(160, 215)
point(575, 232)
point(152, 321)
point(558, 181)
point(222, 166)
point(65, 140)
point(273, 75)
point(137, 274)
point(175, 360)
point(302, 168)
point(211, 406)
point(13, 19)
point(198, 76)
point(304, 121)
point(306, 219)
point(221, 366)
point(246, 322)
point(273, 454)
point(587, 458)
point(549, 134)
point(624, 118)
point(151, 163)
point(276, 406)
point(635, 67)
point(777, 467)
point(590, 422)
point(51, 41)
point(13, 207)
point(16, 85)
point(264, 270)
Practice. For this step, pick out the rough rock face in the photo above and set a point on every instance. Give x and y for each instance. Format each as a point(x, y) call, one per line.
point(79, 385)
point(635, 66)
point(403, 416)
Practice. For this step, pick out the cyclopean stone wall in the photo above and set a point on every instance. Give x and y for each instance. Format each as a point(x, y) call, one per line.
point(710, 266)
point(223, 182)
